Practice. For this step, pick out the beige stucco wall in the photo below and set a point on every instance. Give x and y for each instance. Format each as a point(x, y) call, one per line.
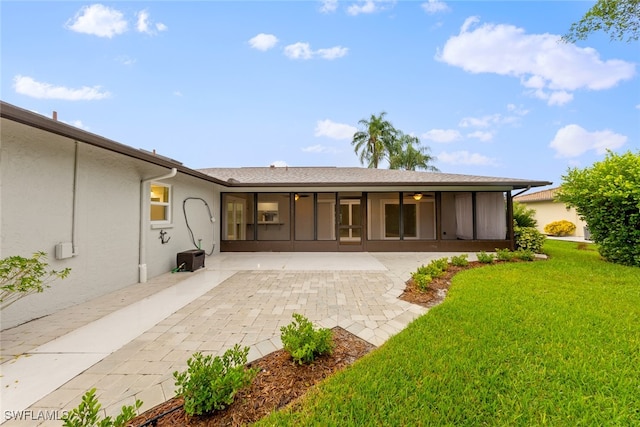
point(37, 200)
point(548, 212)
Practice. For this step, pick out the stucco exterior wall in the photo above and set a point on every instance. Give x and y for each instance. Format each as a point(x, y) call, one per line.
point(549, 211)
point(37, 213)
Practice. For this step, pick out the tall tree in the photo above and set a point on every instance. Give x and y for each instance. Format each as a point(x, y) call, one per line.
point(374, 140)
point(619, 18)
point(407, 153)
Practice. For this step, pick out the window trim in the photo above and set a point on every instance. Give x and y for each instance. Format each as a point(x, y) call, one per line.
point(168, 205)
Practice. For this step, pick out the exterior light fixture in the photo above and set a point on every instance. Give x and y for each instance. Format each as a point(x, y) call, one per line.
point(417, 196)
point(296, 196)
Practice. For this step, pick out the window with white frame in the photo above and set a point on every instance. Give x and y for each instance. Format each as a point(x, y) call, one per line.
point(160, 203)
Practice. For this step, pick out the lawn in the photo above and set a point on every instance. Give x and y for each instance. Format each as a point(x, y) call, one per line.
point(553, 342)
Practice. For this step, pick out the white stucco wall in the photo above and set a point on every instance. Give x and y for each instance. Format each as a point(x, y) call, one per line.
point(37, 191)
point(549, 211)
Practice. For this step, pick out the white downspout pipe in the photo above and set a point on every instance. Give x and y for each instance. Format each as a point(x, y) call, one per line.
point(144, 218)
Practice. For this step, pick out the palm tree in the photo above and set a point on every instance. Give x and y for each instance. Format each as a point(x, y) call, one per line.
point(372, 143)
point(404, 155)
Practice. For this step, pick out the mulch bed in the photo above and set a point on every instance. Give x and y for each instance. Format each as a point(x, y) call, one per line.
point(281, 381)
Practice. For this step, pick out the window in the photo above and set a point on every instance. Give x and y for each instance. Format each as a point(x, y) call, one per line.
point(160, 199)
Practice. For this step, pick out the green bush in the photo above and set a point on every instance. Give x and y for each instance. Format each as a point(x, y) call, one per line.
point(529, 238)
point(421, 281)
point(86, 414)
point(436, 268)
point(560, 228)
point(21, 276)
point(505, 255)
point(485, 258)
point(303, 342)
point(211, 383)
point(460, 260)
point(524, 255)
point(607, 197)
point(524, 217)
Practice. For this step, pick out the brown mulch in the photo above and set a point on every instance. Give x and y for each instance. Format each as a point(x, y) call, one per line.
point(281, 381)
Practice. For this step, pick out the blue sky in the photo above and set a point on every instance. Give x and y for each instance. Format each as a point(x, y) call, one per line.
point(485, 85)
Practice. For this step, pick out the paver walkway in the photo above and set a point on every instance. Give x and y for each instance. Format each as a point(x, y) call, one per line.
point(128, 344)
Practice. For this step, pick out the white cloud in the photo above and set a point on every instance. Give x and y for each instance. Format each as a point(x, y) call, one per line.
point(465, 158)
point(177, 93)
point(482, 136)
point(549, 68)
point(78, 124)
point(435, 6)
point(368, 6)
point(442, 135)
point(573, 141)
point(263, 41)
point(143, 25)
point(302, 50)
point(320, 149)
point(334, 130)
point(28, 86)
point(329, 6)
point(298, 51)
point(332, 53)
point(480, 122)
point(98, 20)
point(519, 110)
point(125, 60)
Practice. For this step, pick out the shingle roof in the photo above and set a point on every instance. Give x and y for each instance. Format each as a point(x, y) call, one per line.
point(539, 196)
point(319, 176)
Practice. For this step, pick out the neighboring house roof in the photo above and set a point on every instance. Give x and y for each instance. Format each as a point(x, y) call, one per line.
point(539, 196)
point(319, 177)
point(350, 176)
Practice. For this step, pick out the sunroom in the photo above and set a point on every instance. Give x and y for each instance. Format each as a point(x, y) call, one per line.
point(357, 209)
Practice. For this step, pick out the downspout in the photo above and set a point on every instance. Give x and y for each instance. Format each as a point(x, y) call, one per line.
point(74, 213)
point(144, 217)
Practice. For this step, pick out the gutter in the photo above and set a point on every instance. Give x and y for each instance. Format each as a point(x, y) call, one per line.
point(144, 217)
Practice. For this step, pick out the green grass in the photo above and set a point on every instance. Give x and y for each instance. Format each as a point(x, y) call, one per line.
point(553, 342)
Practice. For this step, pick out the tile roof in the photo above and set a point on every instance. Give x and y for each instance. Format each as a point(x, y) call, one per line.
point(539, 196)
point(352, 175)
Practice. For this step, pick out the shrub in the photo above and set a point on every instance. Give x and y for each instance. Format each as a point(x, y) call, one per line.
point(523, 217)
point(86, 414)
point(441, 263)
point(21, 276)
point(607, 196)
point(529, 238)
point(485, 258)
point(505, 255)
point(303, 342)
point(524, 255)
point(560, 228)
point(211, 383)
point(421, 281)
point(460, 260)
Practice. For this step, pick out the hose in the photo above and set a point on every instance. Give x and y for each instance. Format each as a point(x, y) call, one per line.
point(193, 240)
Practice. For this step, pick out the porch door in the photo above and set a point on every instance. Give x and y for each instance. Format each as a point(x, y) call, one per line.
point(350, 223)
point(236, 222)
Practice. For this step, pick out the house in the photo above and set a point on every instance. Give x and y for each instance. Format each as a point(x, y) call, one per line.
point(548, 210)
point(117, 215)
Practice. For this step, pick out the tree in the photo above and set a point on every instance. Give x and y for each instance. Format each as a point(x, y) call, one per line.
point(374, 141)
point(407, 153)
point(619, 18)
point(607, 196)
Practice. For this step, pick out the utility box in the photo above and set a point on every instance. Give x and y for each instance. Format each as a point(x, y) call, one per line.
point(192, 260)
